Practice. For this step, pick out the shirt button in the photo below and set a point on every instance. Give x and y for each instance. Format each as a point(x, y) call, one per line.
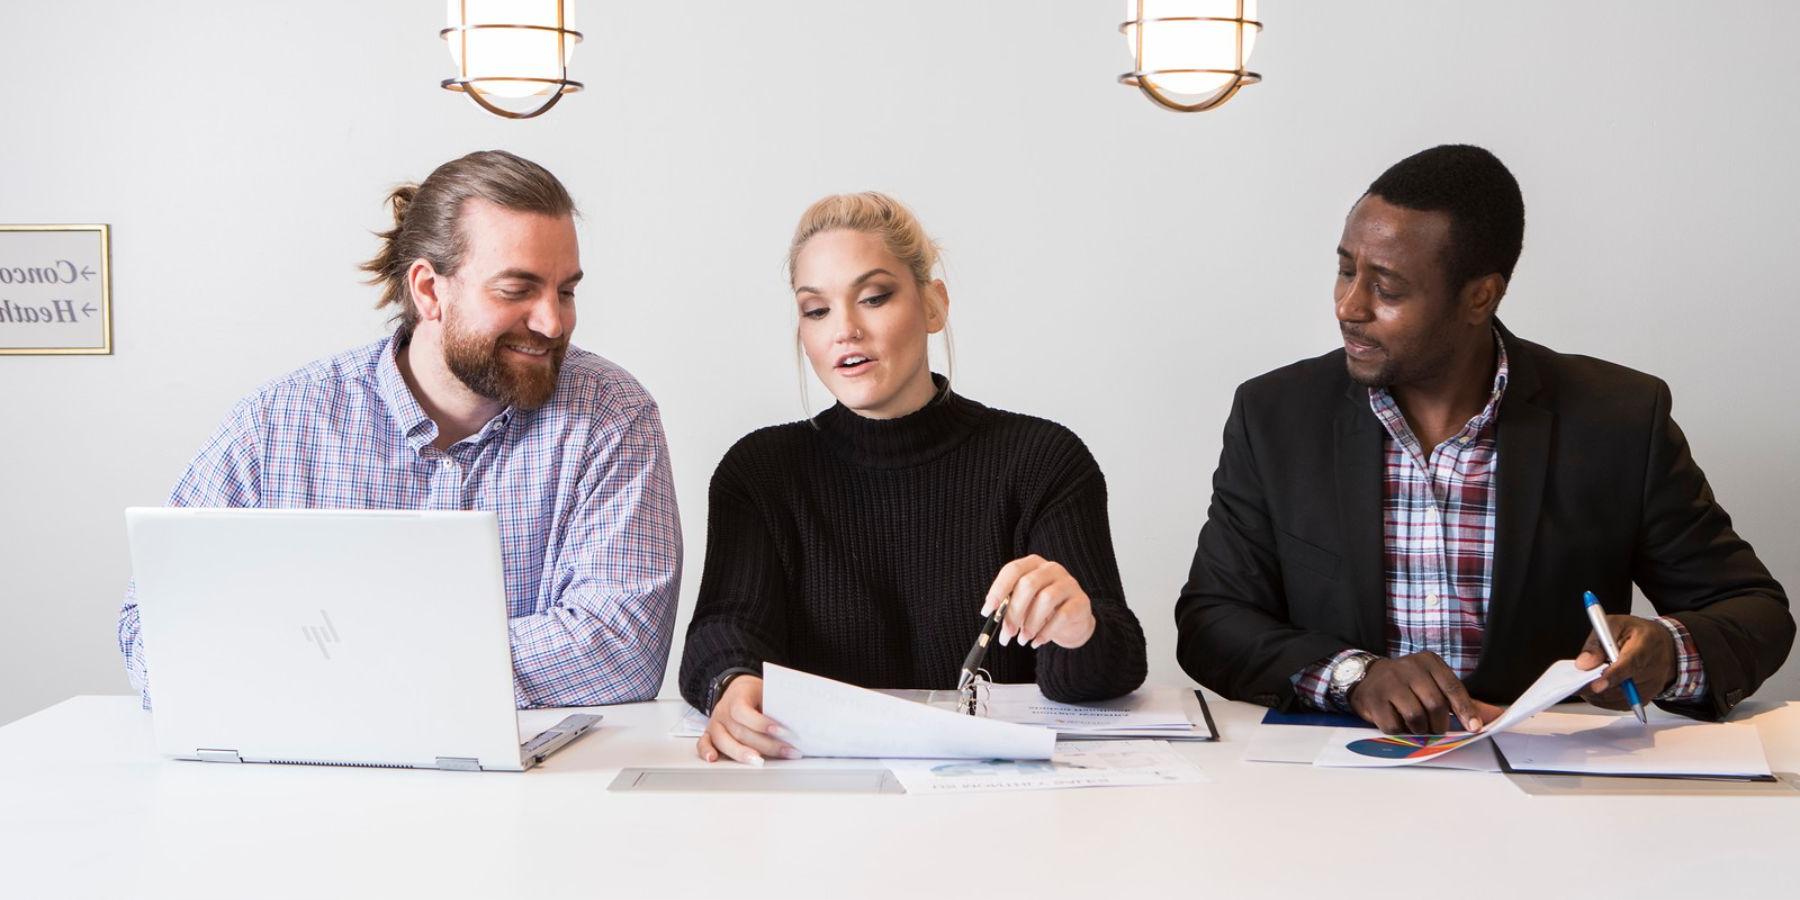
point(1432, 599)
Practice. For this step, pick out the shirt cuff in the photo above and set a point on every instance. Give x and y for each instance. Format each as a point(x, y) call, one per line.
point(1689, 683)
point(1313, 683)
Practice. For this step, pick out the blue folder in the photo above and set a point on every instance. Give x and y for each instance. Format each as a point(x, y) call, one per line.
point(1322, 719)
point(1329, 720)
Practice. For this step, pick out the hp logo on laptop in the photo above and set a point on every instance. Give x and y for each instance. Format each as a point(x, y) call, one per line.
point(319, 636)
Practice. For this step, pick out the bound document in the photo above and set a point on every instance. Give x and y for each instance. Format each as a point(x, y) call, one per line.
point(1170, 714)
point(1668, 747)
point(831, 718)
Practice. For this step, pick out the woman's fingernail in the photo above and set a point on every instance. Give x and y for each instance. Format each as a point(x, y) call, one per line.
point(1036, 644)
point(790, 753)
point(756, 760)
point(1474, 724)
point(777, 731)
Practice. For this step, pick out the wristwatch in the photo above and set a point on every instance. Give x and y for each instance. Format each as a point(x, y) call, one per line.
point(717, 688)
point(1346, 675)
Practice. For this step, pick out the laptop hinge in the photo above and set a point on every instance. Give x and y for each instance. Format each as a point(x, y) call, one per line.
point(459, 763)
point(218, 756)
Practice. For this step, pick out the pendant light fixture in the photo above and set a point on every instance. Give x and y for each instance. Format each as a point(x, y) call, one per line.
point(1190, 55)
point(511, 49)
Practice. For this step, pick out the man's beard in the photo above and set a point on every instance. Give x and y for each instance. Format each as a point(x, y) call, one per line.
point(1433, 354)
point(477, 362)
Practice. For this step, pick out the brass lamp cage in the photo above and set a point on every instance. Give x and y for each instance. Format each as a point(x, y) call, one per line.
point(1140, 78)
point(565, 36)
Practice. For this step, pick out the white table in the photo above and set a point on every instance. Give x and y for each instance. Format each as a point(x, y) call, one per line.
point(87, 809)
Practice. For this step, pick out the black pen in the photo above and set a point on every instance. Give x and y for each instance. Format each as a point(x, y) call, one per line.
point(973, 661)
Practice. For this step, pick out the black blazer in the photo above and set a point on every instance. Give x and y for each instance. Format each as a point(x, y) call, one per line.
point(1596, 491)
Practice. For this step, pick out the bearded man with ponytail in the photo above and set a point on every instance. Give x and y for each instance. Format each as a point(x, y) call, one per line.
point(477, 400)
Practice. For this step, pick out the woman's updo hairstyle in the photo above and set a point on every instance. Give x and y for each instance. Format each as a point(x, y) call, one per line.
point(874, 213)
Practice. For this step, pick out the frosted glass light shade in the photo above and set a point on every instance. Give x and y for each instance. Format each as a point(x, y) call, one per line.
point(1189, 52)
point(496, 55)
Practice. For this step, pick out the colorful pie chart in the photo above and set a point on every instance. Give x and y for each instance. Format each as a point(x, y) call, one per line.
point(1409, 746)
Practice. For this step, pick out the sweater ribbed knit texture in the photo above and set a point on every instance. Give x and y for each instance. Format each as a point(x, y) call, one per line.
point(861, 550)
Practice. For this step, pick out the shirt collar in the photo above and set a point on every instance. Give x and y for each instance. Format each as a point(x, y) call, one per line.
point(409, 417)
point(1486, 416)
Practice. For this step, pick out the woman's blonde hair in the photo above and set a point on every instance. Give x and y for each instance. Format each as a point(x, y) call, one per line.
point(871, 212)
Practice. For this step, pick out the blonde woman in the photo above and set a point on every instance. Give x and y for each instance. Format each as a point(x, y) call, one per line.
point(866, 544)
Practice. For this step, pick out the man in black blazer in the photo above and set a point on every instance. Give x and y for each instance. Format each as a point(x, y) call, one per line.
point(1404, 528)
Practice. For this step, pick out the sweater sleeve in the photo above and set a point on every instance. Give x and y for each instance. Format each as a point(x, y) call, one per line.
point(739, 619)
point(1073, 530)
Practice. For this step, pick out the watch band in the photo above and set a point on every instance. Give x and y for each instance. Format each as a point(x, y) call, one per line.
point(721, 681)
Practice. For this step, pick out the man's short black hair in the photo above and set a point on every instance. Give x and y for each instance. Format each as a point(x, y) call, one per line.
point(1487, 212)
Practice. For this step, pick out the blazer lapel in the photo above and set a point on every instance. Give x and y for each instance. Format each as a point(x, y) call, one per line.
point(1358, 463)
point(1525, 429)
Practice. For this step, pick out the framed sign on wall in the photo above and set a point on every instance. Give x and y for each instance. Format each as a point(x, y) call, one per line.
point(55, 290)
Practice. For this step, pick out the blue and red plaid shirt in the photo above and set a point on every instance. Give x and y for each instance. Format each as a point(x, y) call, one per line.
point(589, 534)
point(1438, 533)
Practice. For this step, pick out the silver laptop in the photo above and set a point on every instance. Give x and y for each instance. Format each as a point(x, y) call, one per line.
point(327, 637)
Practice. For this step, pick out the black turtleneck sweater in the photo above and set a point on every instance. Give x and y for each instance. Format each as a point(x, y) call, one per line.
point(861, 550)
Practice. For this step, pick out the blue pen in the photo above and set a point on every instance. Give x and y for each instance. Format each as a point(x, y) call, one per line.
point(1597, 615)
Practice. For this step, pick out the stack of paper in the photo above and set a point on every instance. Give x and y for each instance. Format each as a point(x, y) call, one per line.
point(1167, 713)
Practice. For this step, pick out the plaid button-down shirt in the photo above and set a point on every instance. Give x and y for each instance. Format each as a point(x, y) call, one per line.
point(589, 534)
point(1438, 535)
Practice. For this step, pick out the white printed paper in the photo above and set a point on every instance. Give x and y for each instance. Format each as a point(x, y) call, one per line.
point(1621, 745)
point(692, 724)
point(829, 718)
point(1356, 747)
point(1076, 764)
point(1140, 712)
point(1302, 743)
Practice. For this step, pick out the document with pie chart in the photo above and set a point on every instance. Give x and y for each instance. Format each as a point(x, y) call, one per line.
point(1365, 748)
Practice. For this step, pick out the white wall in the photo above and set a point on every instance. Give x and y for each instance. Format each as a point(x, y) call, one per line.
point(1113, 266)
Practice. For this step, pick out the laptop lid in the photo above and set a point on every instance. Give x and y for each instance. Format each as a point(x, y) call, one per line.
point(326, 636)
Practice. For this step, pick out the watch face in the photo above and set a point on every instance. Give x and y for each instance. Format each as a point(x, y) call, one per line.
point(1348, 671)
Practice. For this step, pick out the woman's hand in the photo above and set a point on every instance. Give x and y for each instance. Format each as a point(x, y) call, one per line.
point(1048, 605)
point(739, 730)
